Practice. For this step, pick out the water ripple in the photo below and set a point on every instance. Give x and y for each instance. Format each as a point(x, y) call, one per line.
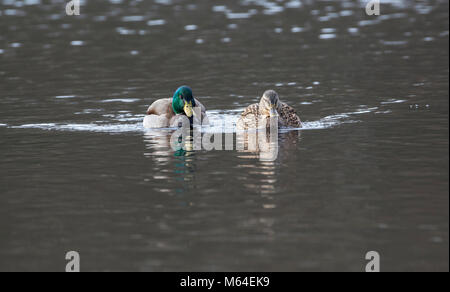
point(220, 121)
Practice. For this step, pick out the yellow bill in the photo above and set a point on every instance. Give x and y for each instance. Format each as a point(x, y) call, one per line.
point(188, 109)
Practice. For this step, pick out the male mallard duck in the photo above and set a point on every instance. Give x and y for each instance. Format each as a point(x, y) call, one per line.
point(257, 115)
point(168, 112)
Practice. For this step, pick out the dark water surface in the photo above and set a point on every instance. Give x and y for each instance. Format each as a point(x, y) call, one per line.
point(368, 172)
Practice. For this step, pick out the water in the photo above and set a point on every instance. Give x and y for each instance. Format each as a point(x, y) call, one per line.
point(368, 172)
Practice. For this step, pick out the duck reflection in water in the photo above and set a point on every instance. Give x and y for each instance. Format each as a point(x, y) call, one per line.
point(266, 146)
point(263, 157)
point(264, 152)
point(179, 165)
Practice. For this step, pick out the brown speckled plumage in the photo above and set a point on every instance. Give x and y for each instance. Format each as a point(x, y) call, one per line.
point(290, 117)
point(254, 117)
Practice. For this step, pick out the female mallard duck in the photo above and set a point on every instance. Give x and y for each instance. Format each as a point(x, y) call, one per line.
point(258, 116)
point(169, 112)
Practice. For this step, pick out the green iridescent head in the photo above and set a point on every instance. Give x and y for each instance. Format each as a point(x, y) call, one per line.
point(183, 101)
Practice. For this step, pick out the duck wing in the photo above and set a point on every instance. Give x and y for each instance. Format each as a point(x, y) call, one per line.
point(290, 117)
point(249, 118)
point(251, 110)
point(161, 107)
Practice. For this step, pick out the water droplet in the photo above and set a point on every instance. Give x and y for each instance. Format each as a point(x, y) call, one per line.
point(134, 18)
point(77, 43)
point(327, 36)
point(346, 13)
point(269, 206)
point(297, 29)
point(328, 30)
point(293, 4)
point(191, 27)
point(220, 8)
point(156, 22)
